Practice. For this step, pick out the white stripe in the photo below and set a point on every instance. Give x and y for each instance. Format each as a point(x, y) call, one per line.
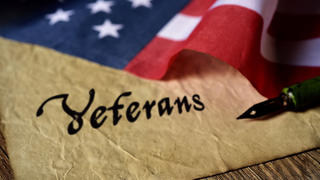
point(299, 53)
point(179, 27)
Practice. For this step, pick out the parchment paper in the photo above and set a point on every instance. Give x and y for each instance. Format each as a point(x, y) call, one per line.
point(177, 146)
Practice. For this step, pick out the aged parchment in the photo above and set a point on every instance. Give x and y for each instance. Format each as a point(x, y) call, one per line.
point(177, 146)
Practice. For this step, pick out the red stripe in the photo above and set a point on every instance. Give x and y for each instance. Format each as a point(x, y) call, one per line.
point(228, 36)
point(154, 60)
point(197, 7)
point(295, 27)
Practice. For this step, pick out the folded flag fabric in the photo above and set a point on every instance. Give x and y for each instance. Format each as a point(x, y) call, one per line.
point(81, 98)
point(274, 44)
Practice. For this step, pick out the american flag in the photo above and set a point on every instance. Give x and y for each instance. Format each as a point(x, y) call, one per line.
point(273, 43)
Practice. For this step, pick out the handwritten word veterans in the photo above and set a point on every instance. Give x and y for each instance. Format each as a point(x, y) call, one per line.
point(133, 110)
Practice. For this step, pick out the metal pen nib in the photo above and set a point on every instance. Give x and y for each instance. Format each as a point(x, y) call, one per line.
point(266, 107)
point(295, 97)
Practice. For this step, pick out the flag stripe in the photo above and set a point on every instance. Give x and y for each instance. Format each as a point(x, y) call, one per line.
point(298, 53)
point(179, 27)
point(154, 60)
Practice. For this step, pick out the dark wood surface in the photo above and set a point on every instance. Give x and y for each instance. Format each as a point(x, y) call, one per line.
point(305, 165)
point(6, 171)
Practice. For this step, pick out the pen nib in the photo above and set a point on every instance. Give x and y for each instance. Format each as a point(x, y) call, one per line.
point(264, 108)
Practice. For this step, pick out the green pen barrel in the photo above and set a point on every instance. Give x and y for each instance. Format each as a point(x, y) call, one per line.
point(304, 95)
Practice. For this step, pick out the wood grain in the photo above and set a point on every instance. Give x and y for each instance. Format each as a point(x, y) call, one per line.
point(304, 165)
point(6, 171)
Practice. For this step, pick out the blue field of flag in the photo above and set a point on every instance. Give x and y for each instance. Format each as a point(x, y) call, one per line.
point(107, 32)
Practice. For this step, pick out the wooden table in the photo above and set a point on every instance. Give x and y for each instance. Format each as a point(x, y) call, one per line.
point(305, 165)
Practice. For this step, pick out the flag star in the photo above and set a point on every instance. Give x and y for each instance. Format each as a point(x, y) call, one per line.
point(59, 15)
point(100, 5)
point(137, 3)
point(108, 29)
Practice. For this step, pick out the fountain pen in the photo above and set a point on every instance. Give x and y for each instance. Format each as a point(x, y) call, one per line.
point(297, 97)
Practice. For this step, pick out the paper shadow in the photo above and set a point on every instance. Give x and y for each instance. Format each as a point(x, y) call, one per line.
point(192, 63)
